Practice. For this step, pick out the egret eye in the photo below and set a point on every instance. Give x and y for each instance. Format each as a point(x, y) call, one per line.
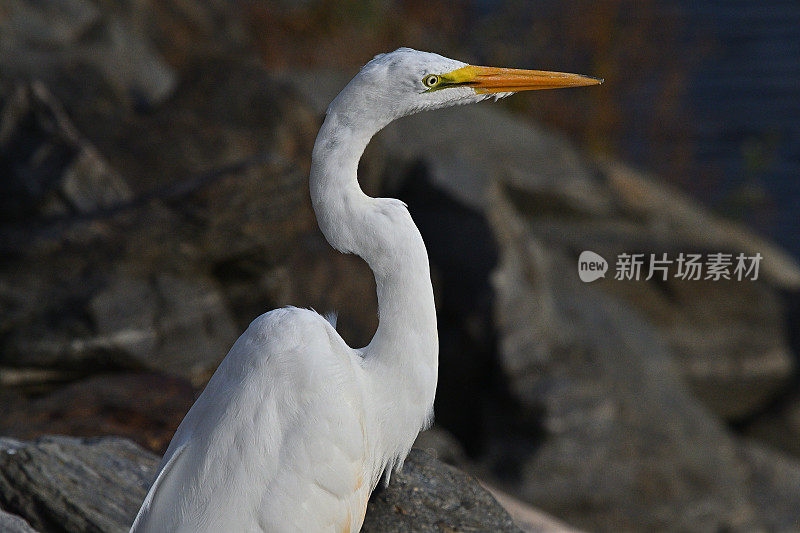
point(430, 81)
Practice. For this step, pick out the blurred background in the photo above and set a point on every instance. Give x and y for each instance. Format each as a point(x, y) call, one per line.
point(154, 159)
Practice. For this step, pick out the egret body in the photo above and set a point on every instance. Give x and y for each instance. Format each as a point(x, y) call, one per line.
point(295, 428)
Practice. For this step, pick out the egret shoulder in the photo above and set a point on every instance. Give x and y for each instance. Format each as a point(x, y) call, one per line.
point(277, 432)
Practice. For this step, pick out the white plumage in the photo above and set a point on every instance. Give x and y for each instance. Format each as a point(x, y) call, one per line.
point(295, 428)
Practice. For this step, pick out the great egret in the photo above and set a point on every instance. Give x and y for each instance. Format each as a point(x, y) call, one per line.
point(295, 428)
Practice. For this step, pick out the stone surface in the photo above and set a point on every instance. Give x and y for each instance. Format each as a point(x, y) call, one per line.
point(773, 481)
point(10, 523)
point(167, 281)
point(625, 445)
point(175, 324)
point(442, 445)
point(49, 167)
point(41, 39)
point(195, 327)
point(70, 484)
point(429, 496)
point(529, 519)
point(51, 24)
point(779, 426)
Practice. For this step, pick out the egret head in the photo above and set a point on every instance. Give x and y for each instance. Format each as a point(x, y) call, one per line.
point(407, 81)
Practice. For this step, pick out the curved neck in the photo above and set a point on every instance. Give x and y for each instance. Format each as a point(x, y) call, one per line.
point(381, 232)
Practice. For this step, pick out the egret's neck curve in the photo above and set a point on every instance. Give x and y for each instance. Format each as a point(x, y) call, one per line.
point(380, 231)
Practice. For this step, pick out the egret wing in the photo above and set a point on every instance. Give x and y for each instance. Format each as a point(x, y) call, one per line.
point(276, 441)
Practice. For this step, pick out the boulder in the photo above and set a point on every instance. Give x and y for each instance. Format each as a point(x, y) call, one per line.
point(49, 168)
point(14, 524)
point(165, 282)
point(778, 426)
point(625, 446)
point(41, 41)
point(429, 496)
point(773, 480)
point(50, 25)
point(175, 324)
point(72, 484)
point(98, 484)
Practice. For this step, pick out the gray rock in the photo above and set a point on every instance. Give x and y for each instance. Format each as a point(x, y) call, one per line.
point(126, 312)
point(71, 484)
point(130, 62)
point(442, 445)
point(176, 325)
point(45, 24)
point(10, 523)
point(167, 284)
point(429, 496)
point(41, 39)
point(52, 168)
point(774, 483)
point(195, 328)
point(85, 485)
point(625, 446)
point(665, 209)
point(779, 427)
point(528, 518)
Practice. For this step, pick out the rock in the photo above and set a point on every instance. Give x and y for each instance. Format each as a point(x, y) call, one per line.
point(43, 40)
point(45, 25)
point(132, 65)
point(195, 328)
point(730, 337)
point(126, 311)
point(104, 404)
point(429, 496)
point(778, 426)
point(126, 282)
point(178, 325)
point(773, 480)
point(441, 445)
point(70, 484)
point(663, 207)
point(625, 446)
point(14, 524)
point(50, 169)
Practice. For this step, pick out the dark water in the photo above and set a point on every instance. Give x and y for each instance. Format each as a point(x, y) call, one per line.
point(744, 96)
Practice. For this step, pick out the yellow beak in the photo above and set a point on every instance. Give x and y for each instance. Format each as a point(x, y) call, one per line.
point(501, 80)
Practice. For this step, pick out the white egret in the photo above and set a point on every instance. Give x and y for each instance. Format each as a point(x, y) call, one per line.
point(295, 428)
